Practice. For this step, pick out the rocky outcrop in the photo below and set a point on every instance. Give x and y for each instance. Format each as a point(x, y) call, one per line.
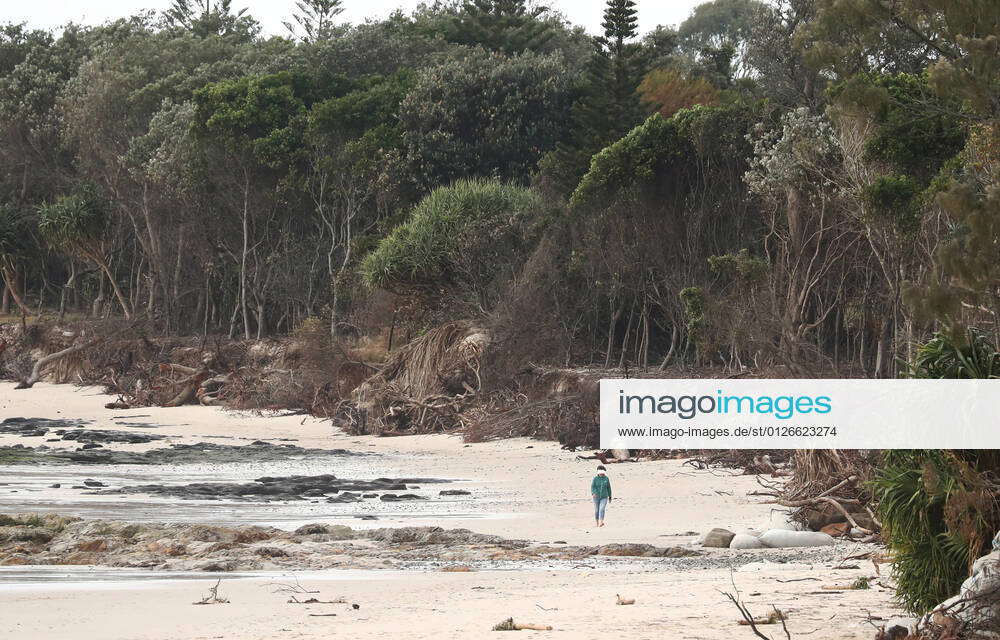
point(334, 489)
point(199, 453)
point(53, 540)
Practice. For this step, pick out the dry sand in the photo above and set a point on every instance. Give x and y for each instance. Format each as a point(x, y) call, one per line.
point(532, 490)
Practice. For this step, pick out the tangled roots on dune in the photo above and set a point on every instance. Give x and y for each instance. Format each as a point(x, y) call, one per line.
point(548, 404)
point(424, 387)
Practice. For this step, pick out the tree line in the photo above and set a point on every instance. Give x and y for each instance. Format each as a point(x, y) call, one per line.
point(802, 183)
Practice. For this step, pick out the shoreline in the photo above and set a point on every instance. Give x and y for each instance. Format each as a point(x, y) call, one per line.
point(519, 490)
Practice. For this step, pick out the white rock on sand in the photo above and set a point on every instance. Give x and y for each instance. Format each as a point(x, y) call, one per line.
point(782, 539)
point(744, 541)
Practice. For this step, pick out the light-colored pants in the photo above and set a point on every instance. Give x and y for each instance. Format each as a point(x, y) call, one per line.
point(600, 504)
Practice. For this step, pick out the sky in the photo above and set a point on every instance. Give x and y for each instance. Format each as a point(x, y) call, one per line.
point(270, 13)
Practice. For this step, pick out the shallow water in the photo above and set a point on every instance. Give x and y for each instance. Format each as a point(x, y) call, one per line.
point(28, 488)
point(89, 578)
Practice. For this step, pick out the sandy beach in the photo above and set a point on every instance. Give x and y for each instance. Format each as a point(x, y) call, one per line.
point(518, 489)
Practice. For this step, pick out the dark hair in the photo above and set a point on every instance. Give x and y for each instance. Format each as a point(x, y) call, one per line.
point(600, 467)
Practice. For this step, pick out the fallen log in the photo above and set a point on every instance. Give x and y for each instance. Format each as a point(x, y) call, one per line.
point(811, 502)
point(36, 371)
point(510, 625)
point(189, 388)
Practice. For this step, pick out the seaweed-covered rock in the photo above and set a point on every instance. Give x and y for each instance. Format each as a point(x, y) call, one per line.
point(644, 551)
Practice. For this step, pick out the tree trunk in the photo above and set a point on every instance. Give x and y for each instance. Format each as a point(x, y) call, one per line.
point(10, 280)
point(103, 264)
point(245, 253)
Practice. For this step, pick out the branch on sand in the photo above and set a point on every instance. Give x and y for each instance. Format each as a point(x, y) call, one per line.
point(510, 625)
point(36, 371)
point(213, 596)
point(748, 618)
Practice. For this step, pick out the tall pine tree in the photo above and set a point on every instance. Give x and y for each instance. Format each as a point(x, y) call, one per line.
point(315, 17)
point(610, 106)
point(209, 17)
point(616, 72)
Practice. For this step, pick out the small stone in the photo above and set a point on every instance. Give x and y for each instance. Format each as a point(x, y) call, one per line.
point(718, 538)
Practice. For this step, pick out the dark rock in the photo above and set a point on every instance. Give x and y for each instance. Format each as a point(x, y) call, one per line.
point(643, 550)
point(281, 488)
point(391, 497)
point(817, 518)
point(718, 538)
point(97, 436)
point(311, 529)
point(202, 452)
point(55, 486)
point(33, 427)
point(454, 492)
point(438, 535)
point(93, 483)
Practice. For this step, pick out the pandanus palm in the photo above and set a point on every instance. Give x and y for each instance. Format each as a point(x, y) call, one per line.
point(79, 224)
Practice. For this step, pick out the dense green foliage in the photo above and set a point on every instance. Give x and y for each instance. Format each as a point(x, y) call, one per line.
point(808, 185)
point(974, 356)
point(463, 235)
point(76, 222)
point(937, 516)
point(484, 114)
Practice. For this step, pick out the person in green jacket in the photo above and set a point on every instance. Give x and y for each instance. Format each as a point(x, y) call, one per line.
point(600, 488)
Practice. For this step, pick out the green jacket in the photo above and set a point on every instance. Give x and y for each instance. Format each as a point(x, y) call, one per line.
point(600, 486)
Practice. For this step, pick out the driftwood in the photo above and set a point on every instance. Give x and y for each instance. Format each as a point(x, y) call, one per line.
point(213, 596)
point(189, 388)
point(510, 625)
point(825, 498)
point(36, 371)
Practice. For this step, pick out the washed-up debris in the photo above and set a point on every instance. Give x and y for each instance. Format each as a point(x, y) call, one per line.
point(213, 597)
point(510, 625)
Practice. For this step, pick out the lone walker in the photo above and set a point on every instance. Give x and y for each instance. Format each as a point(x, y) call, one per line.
point(600, 488)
